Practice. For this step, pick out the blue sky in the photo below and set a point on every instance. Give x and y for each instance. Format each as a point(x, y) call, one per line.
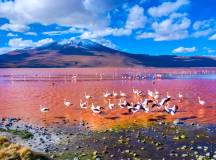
point(156, 27)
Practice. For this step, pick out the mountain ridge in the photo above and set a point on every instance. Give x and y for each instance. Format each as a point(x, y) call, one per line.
point(86, 53)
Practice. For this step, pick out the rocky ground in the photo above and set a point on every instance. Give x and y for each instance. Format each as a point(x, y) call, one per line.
point(159, 140)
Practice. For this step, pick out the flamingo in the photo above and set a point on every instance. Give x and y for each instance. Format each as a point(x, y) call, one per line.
point(107, 94)
point(138, 106)
point(122, 94)
point(145, 105)
point(156, 92)
point(137, 92)
point(123, 104)
point(67, 103)
point(180, 95)
point(95, 109)
point(156, 97)
point(44, 109)
point(171, 110)
point(132, 108)
point(134, 91)
point(111, 105)
point(87, 96)
point(168, 96)
point(201, 102)
point(83, 104)
point(151, 94)
point(115, 94)
point(164, 100)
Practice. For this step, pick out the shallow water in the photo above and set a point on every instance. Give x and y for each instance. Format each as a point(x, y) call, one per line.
point(23, 90)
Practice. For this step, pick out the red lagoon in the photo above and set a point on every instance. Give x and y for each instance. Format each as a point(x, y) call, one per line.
point(22, 91)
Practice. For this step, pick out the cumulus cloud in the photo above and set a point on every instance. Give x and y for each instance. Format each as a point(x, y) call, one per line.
point(5, 50)
point(203, 28)
point(11, 35)
point(136, 18)
point(106, 43)
point(68, 31)
point(208, 50)
point(44, 41)
point(173, 28)
point(213, 37)
point(14, 27)
point(78, 13)
point(31, 33)
point(184, 50)
point(19, 43)
point(167, 8)
point(105, 32)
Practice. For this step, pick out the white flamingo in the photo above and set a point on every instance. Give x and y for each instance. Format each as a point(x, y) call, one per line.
point(95, 109)
point(123, 104)
point(83, 105)
point(163, 101)
point(87, 96)
point(168, 96)
point(156, 97)
point(111, 105)
point(44, 109)
point(201, 102)
point(180, 95)
point(151, 94)
point(107, 94)
point(145, 105)
point(156, 92)
point(67, 103)
point(115, 94)
point(136, 92)
point(122, 94)
point(133, 108)
point(171, 110)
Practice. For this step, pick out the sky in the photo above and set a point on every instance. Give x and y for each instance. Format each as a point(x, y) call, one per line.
point(155, 27)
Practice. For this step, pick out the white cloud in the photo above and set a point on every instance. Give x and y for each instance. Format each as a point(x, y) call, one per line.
point(203, 28)
point(44, 41)
point(106, 43)
point(184, 50)
point(68, 31)
point(136, 18)
point(31, 33)
point(213, 37)
point(167, 8)
point(5, 50)
point(14, 27)
point(209, 50)
point(18, 43)
point(11, 35)
point(105, 32)
point(78, 13)
point(173, 28)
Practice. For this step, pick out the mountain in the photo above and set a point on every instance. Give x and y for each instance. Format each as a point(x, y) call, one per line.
point(86, 53)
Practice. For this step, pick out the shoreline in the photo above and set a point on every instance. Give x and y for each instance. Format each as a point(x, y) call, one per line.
point(177, 139)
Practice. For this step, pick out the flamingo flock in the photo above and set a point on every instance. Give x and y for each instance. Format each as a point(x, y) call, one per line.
point(144, 102)
point(145, 105)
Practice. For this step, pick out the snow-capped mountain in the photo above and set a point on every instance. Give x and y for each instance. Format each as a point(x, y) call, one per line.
point(86, 53)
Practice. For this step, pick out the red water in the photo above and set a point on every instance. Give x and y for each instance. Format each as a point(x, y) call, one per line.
point(22, 99)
